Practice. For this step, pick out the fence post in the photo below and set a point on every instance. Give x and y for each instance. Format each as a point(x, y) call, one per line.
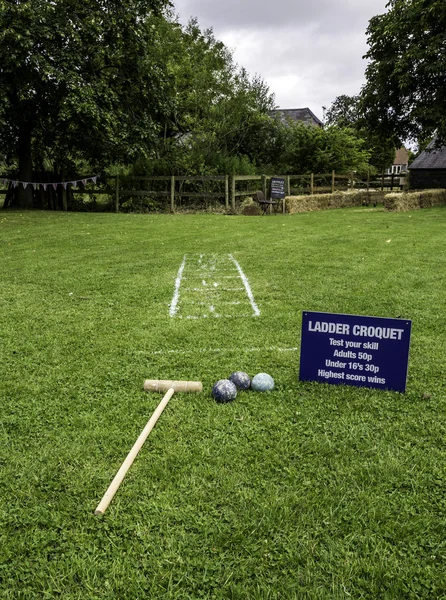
point(264, 186)
point(332, 182)
point(368, 179)
point(227, 192)
point(288, 192)
point(117, 194)
point(172, 194)
point(311, 184)
point(64, 194)
point(233, 192)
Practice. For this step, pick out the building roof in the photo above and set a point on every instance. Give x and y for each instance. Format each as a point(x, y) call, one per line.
point(431, 158)
point(401, 156)
point(304, 115)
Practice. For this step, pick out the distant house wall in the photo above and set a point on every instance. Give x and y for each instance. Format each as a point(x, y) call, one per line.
point(400, 162)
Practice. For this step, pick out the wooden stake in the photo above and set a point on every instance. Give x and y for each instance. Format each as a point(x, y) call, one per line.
point(172, 194)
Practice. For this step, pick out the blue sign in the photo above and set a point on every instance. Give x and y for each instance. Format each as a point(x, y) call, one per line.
point(355, 350)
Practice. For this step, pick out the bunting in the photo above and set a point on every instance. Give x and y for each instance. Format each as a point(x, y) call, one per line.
point(15, 183)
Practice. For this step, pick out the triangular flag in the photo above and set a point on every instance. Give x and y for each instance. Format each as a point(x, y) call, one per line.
point(94, 179)
point(44, 186)
point(54, 185)
point(24, 183)
point(74, 184)
point(35, 185)
point(64, 183)
point(15, 183)
point(84, 181)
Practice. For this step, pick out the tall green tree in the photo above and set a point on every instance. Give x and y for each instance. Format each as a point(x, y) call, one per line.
point(216, 110)
point(77, 78)
point(405, 92)
point(343, 112)
point(305, 149)
point(347, 112)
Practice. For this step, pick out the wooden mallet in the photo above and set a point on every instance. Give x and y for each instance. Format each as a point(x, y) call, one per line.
point(150, 385)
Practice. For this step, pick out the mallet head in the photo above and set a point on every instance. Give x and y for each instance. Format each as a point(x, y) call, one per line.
point(162, 385)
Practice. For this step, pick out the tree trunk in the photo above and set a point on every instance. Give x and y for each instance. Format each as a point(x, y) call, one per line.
point(24, 196)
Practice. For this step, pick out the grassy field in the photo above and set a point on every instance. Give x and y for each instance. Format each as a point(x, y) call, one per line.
point(309, 492)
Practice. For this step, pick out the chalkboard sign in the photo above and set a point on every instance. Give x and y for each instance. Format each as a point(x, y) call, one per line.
point(355, 350)
point(277, 187)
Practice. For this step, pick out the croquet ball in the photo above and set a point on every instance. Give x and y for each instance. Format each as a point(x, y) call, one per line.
point(262, 382)
point(241, 380)
point(224, 391)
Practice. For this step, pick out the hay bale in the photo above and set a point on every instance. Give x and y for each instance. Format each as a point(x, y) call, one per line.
point(415, 200)
point(298, 204)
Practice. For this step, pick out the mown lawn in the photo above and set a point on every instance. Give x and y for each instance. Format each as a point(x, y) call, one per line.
point(309, 492)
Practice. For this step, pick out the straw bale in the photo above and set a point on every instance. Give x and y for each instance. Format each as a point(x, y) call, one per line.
point(415, 200)
point(305, 203)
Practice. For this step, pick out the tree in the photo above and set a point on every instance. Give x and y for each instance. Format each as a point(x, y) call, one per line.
point(347, 111)
point(343, 112)
point(217, 115)
point(77, 79)
point(405, 92)
point(313, 149)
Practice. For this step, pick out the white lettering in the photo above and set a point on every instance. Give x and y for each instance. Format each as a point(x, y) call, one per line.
point(353, 377)
point(335, 363)
point(382, 333)
point(327, 327)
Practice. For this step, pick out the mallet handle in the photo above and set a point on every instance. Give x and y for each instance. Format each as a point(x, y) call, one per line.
point(113, 487)
point(161, 385)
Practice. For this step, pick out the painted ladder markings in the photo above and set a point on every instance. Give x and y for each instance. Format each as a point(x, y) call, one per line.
point(176, 294)
point(208, 276)
point(243, 277)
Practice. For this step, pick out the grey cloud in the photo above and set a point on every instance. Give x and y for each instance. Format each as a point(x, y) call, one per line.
point(308, 52)
point(287, 14)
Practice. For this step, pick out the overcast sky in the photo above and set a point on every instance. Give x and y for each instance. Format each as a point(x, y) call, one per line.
point(307, 51)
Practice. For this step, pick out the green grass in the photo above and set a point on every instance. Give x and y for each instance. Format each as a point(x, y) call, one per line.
point(309, 492)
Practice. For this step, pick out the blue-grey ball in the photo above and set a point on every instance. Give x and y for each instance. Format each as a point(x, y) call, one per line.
point(241, 380)
point(262, 382)
point(224, 391)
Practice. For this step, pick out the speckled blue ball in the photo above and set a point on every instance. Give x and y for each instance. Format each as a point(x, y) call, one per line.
point(241, 380)
point(262, 382)
point(224, 391)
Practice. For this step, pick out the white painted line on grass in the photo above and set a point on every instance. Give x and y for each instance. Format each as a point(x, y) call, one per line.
point(217, 350)
point(243, 277)
point(176, 294)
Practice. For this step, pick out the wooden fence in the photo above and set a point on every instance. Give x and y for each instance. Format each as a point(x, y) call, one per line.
point(310, 183)
point(225, 188)
point(230, 186)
